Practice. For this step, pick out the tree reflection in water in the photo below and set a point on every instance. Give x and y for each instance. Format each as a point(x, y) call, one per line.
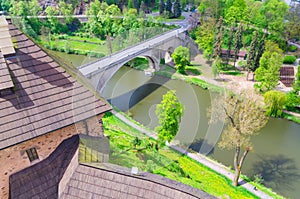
point(278, 171)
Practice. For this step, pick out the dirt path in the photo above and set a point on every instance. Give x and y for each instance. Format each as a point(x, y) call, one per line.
point(199, 158)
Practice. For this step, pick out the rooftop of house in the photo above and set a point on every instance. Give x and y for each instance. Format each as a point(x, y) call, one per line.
point(44, 97)
point(61, 176)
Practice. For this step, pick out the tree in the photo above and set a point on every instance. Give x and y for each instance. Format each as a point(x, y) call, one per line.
point(296, 84)
point(229, 44)
point(169, 8)
point(238, 42)
point(177, 9)
point(274, 12)
point(260, 51)
point(216, 65)
point(218, 41)
point(236, 12)
point(181, 57)
point(205, 37)
point(267, 74)
point(275, 101)
point(244, 118)
point(161, 7)
point(130, 4)
point(66, 10)
point(251, 54)
point(169, 113)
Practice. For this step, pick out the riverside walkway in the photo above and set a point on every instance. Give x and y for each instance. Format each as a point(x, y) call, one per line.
point(199, 158)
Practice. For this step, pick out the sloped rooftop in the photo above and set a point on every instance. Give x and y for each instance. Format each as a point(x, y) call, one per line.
point(5, 78)
point(45, 98)
point(60, 176)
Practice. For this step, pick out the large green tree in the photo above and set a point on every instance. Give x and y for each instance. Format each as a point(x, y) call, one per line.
point(260, 51)
point(252, 54)
point(244, 118)
point(205, 36)
point(274, 12)
point(161, 7)
point(181, 57)
point(218, 41)
point(229, 43)
point(177, 9)
point(236, 12)
point(238, 42)
point(169, 113)
point(267, 74)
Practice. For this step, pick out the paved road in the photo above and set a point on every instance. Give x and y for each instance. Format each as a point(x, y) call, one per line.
point(127, 53)
point(199, 158)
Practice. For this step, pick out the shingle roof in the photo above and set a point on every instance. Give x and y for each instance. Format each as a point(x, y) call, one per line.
point(45, 97)
point(6, 45)
point(42, 179)
point(91, 182)
point(45, 178)
point(5, 79)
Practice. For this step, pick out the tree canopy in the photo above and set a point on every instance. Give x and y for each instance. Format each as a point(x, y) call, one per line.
point(181, 57)
point(244, 118)
point(169, 113)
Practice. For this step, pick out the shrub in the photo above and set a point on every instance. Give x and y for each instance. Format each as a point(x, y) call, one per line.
point(292, 48)
point(274, 100)
point(289, 59)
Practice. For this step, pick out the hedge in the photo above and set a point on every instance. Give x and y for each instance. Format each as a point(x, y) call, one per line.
point(289, 59)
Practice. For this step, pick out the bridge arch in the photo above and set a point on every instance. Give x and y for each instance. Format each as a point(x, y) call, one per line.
point(109, 72)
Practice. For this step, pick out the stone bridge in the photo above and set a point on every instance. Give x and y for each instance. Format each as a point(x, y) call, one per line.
point(100, 71)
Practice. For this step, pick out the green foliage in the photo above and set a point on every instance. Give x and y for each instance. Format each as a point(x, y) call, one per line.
point(292, 48)
point(195, 174)
point(181, 57)
point(218, 41)
point(177, 9)
point(296, 84)
point(293, 101)
point(275, 101)
point(161, 7)
point(205, 37)
point(260, 51)
point(169, 113)
point(169, 7)
point(267, 73)
point(238, 41)
point(236, 12)
point(216, 66)
point(289, 59)
point(252, 53)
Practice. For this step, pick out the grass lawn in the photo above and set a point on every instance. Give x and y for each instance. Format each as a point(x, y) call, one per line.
point(291, 117)
point(232, 72)
point(166, 162)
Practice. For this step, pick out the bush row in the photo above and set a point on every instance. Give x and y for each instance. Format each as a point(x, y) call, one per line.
point(75, 51)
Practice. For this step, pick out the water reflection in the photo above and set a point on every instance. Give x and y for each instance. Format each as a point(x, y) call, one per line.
point(277, 171)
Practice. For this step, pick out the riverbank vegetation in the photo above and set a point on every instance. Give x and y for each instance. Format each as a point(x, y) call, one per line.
point(254, 32)
point(130, 148)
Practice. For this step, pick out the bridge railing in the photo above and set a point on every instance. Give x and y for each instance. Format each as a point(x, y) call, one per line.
point(127, 48)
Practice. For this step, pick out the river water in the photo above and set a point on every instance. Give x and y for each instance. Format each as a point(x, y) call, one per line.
point(275, 153)
point(276, 149)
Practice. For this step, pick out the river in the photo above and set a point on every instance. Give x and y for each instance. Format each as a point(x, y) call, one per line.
point(276, 148)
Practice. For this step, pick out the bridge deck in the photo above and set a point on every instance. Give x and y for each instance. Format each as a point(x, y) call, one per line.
point(128, 53)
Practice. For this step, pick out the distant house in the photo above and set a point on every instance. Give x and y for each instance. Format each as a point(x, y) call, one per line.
point(242, 55)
